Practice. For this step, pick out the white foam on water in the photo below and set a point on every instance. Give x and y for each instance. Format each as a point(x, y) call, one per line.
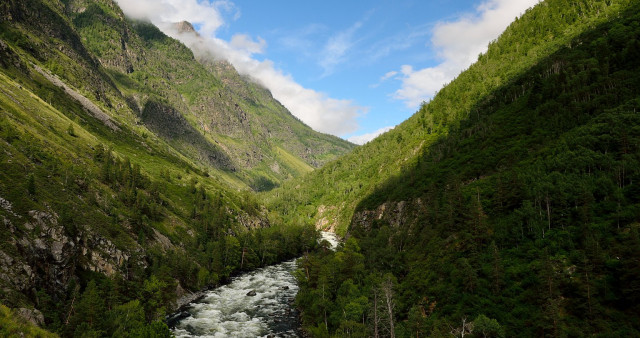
point(331, 238)
point(229, 312)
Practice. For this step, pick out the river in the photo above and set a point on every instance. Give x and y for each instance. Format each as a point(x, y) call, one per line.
point(233, 310)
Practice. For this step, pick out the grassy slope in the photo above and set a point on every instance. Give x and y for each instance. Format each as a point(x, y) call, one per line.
point(128, 191)
point(236, 117)
point(11, 325)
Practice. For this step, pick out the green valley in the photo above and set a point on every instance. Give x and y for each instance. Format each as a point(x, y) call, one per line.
point(506, 206)
point(121, 191)
point(135, 172)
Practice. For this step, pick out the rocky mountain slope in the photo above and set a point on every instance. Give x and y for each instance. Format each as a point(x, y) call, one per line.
point(126, 169)
point(204, 110)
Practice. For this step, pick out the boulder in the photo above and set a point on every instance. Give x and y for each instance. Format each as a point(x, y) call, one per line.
point(32, 315)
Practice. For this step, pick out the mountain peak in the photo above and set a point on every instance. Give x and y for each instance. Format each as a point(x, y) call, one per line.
point(184, 27)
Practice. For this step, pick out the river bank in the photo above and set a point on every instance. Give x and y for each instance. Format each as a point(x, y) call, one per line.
point(254, 304)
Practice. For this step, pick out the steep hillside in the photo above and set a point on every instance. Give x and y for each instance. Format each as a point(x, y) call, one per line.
point(329, 196)
point(207, 113)
point(114, 204)
point(515, 210)
point(262, 141)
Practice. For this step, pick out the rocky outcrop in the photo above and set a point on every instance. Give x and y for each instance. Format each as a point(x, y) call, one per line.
point(46, 255)
point(395, 214)
point(49, 251)
point(327, 219)
point(6, 205)
point(102, 255)
point(185, 27)
point(252, 222)
point(16, 273)
point(31, 315)
point(89, 106)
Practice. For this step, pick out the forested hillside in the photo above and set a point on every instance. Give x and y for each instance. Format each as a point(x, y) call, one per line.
point(508, 205)
point(329, 196)
point(116, 202)
point(514, 211)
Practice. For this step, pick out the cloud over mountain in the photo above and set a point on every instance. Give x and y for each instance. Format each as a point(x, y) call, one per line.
point(317, 109)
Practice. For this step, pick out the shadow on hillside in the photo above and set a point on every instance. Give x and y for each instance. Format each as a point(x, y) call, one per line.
point(515, 124)
point(169, 124)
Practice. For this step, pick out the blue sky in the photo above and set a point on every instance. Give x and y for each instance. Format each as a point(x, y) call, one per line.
point(348, 68)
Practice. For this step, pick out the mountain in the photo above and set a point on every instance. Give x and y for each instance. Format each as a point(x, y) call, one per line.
point(127, 170)
point(506, 206)
point(204, 110)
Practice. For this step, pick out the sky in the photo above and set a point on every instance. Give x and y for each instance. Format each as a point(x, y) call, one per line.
point(349, 68)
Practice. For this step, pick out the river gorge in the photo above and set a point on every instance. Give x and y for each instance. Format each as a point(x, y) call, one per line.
point(256, 304)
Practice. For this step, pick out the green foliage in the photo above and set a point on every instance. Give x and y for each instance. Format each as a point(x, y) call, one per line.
point(519, 211)
point(71, 131)
point(31, 185)
point(174, 222)
point(487, 327)
point(11, 325)
point(331, 194)
point(516, 186)
point(96, 313)
point(156, 294)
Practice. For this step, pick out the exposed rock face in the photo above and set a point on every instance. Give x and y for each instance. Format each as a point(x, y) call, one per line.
point(103, 256)
point(6, 205)
point(396, 214)
point(49, 251)
point(251, 222)
point(184, 27)
point(15, 273)
point(47, 256)
point(162, 240)
point(32, 315)
point(327, 219)
point(86, 103)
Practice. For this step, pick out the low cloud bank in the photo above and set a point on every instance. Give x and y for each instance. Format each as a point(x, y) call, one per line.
point(316, 109)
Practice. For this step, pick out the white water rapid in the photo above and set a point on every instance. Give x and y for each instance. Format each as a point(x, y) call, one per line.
point(233, 311)
point(331, 238)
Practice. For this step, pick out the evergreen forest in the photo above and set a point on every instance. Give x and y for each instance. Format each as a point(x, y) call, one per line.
point(508, 205)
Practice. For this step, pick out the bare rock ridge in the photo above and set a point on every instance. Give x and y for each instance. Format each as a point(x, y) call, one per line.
point(86, 103)
point(185, 27)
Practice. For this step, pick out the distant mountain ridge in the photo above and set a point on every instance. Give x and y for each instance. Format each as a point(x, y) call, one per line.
point(233, 115)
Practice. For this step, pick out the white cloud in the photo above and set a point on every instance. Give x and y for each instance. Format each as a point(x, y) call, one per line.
point(362, 139)
point(163, 12)
point(388, 75)
point(245, 44)
point(458, 44)
point(316, 109)
point(336, 48)
point(384, 78)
